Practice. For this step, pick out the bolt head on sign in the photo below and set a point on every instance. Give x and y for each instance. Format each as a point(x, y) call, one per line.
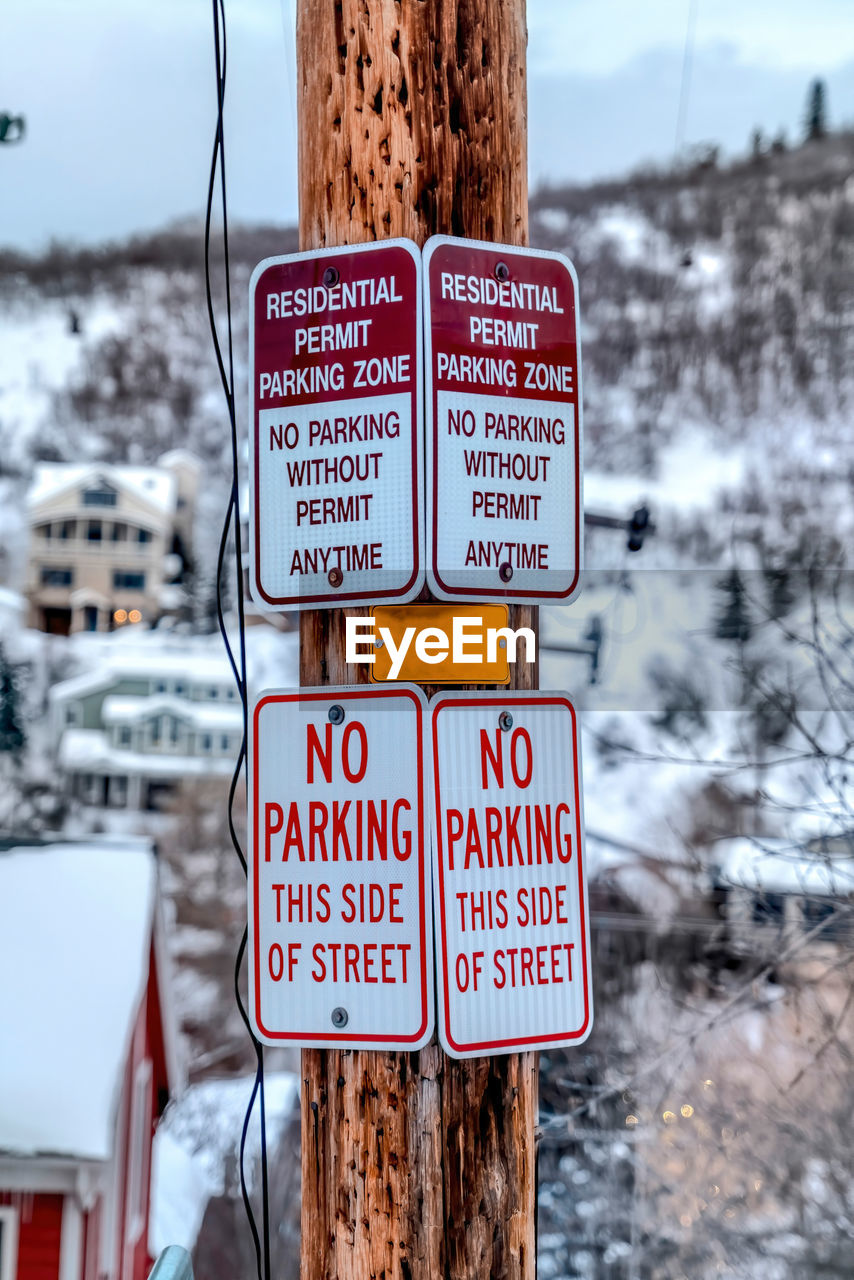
point(335, 400)
point(340, 926)
point(508, 867)
point(504, 435)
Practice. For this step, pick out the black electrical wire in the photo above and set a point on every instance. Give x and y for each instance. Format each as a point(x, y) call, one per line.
point(232, 517)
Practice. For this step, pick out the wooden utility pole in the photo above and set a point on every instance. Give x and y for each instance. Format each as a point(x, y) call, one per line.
point(412, 122)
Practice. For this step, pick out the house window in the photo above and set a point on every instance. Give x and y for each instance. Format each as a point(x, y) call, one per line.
point(125, 736)
point(139, 1151)
point(45, 530)
point(125, 580)
point(72, 714)
point(225, 742)
point(94, 531)
point(67, 530)
point(56, 577)
point(180, 690)
point(207, 742)
point(821, 911)
point(143, 535)
point(174, 729)
point(118, 791)
point(99, 497)
point(768, 908)
point(155, 730)
point(8, 1242)
point(119, 532)
point(213, 693)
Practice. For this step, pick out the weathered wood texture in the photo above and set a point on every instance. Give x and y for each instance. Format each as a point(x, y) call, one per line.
point(412, 122)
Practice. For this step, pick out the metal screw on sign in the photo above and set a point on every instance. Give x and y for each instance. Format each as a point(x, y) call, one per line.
point(330, 277)
point(336, 714)
point(378, 642)
point(335, 576)
point(502, 271)
point(505, 573)
point(505, 721)
point(340, 1017)
point(502, 642)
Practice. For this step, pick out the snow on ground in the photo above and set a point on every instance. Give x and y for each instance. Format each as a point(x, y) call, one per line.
point(38, 356)
point(14, 534)
point(13, 610)
point(691, 471)
point(554, 220)
point(635, 238)
point(708, 275)
point(639, 805)
point(197, 1141)
point(179, 1193)
point(207, 1121)
point(64, 911)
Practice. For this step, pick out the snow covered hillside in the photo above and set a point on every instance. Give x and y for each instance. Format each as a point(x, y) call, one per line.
point(712, 670)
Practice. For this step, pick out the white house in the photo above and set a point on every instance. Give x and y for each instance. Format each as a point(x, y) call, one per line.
point(145, 721)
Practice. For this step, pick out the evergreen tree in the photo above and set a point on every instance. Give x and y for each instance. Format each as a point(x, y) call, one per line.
point(733, 621)
point(816, 114)
point(11, 733)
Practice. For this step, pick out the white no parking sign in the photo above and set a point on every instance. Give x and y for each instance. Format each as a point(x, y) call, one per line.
point(340, 937)
point(510, 894)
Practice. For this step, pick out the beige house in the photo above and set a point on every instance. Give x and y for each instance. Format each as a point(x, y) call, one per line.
point(100, 536)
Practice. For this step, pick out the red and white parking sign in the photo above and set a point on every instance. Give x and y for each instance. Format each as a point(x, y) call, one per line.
point(504, 438)
point(510, 892)
point(336, 427)
point(340, 928)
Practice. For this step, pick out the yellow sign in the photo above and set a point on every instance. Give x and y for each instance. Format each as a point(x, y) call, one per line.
point(440, 643)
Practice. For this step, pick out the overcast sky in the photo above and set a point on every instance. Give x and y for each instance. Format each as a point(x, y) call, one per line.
point(119, 98)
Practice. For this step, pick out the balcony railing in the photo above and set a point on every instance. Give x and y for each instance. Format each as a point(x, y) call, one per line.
point(77, 546)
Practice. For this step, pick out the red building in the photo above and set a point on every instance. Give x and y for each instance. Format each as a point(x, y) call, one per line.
point(87, 1057)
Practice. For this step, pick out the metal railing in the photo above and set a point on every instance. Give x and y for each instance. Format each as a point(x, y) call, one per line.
point(174, 1263)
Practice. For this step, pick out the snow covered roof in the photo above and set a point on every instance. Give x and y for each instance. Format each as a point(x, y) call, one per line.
point(90, 750)
point(155, 486)
point(76, 926)
point(123, 709)
point(779, 866)
point(272, 658)
point(154, 664)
